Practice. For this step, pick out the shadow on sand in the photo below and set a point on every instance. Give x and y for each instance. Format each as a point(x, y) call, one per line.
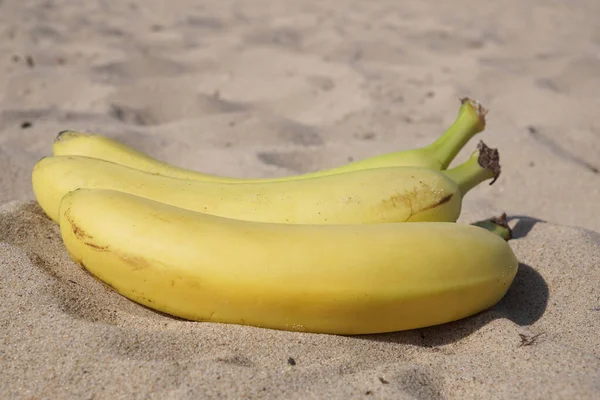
point(524, 303)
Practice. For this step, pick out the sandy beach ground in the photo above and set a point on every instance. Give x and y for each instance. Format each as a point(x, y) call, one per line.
point(267, 88)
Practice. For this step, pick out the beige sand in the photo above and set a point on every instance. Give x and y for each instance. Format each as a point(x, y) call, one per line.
point(266, 88)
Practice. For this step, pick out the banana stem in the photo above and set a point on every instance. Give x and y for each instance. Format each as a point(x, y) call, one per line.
point(497, 225)
point(470, 121)
point(483, 164)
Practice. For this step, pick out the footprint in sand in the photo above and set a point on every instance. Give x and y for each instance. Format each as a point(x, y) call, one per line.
point(446, 42)
point(292, 160)
point(204, 23)
point(301, 87)
point(369, 50)
point(295, 133)
point(45, 34)
point(280, 37)
point(156, 104)
point(60, 89)
point(140, 67)
point(580, 77)
point(250, 128)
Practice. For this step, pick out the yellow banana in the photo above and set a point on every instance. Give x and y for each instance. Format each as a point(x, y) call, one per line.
point(437, 155)
point(337, 279)
point(392, 194)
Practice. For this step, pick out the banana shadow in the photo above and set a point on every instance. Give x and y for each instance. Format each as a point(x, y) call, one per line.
point(524, 303)
point(523, 226)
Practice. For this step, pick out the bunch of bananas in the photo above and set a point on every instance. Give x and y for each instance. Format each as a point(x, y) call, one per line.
point(371, 246)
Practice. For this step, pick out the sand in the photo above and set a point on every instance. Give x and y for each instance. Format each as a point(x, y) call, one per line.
point(265, 88)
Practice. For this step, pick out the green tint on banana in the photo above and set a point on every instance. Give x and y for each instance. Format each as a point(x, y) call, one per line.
point(470, 121)
point(438, 155)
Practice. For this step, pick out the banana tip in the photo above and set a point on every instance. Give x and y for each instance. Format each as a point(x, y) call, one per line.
point(67, 134)
point(477, 106)
point(497, 225)
point(489, 158)
point(502, 222)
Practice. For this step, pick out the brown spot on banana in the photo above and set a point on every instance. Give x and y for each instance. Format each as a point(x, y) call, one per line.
point(82, 235)
point(396, 200)
point(96, 246)
point(77, 230)
point(438, 203)
point(414, 198)
point(136, 262)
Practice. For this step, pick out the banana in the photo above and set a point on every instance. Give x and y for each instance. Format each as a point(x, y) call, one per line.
point(437, 155)
point(336, 279)
point(392, 194)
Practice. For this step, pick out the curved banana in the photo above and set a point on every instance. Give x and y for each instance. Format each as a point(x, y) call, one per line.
point(337, 279)
point(438, 155)
point(392, 194)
